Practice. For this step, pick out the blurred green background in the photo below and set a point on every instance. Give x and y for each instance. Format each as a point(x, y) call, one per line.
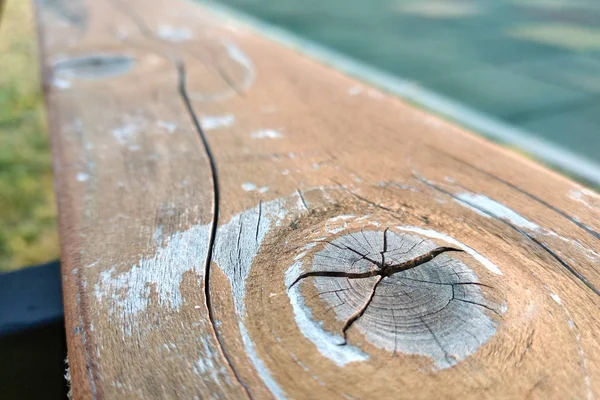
point(28, 231)
point(534, 64)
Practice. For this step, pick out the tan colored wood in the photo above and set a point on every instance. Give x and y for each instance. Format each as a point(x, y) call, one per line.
point(314, 172)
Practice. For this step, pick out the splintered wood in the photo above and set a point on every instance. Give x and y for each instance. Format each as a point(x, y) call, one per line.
point(239, 221)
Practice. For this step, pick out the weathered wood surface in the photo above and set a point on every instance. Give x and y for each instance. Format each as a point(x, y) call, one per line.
point(180, 137)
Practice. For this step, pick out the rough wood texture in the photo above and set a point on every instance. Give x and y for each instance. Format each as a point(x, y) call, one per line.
point(202, 170)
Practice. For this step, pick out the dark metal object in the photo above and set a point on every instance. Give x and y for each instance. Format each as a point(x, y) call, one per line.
point(30, 297)
point(32, 334)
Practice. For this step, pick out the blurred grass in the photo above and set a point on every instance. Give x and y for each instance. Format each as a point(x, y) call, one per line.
point(28, 228)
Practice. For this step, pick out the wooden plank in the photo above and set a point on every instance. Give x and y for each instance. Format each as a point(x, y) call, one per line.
point(181, 137)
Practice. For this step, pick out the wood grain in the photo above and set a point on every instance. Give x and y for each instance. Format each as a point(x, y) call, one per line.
point(202, 169)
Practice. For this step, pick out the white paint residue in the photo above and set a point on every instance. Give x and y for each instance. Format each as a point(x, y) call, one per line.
point(556, 298)
point(61, 83)
point(327, 343)
point(586, 197)
point(575, 329)
point(125, 133)
point(169, 126)
point(82, 177)
point(173, 34)
point(480, 202)
point(129, 292)
point(267, 134)
point(437, 235)
point(216, 122)
point(238, 55)
point(260, 366)
point(249, 186)
point(285, 172)
point(236, 245)
point(344, 217)
point(589, 253)
point(158, 235)
point(355, 90)
point(337, 224)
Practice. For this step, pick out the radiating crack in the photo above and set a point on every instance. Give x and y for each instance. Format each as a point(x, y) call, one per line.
point(379, 269)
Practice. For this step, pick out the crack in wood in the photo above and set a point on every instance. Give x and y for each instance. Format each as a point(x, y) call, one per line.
point(304, 203)
point(541, 201)
point(183, 92)
point(214, 224)
point(543, 246)
point(380, 269)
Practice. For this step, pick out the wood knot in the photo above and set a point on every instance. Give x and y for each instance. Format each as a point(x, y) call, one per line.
point(93, 66)
point(402, 291)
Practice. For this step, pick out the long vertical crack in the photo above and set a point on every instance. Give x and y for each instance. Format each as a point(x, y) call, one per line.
point(182, 86)
point(215, 222)
point(133, 15)
point(145, 30)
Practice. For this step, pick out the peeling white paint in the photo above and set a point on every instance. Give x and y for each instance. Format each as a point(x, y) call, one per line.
point(125, 133)
point(343, 217)
point(267, 134)
point(236, 245)
point(327, 343)
point(337, 224)
point(581, 351)
point(490, 266)
point(158, 235)
point(249, 186)
point(82, 177)
point(129, 292)
point(556, 298)
point(589, 253)
point(355, 90)
point(496, 209)
point(174, 34)
point(61, 83)
point(586, 197)
point(170, 127)
point(239, 56)
point(215, 122)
